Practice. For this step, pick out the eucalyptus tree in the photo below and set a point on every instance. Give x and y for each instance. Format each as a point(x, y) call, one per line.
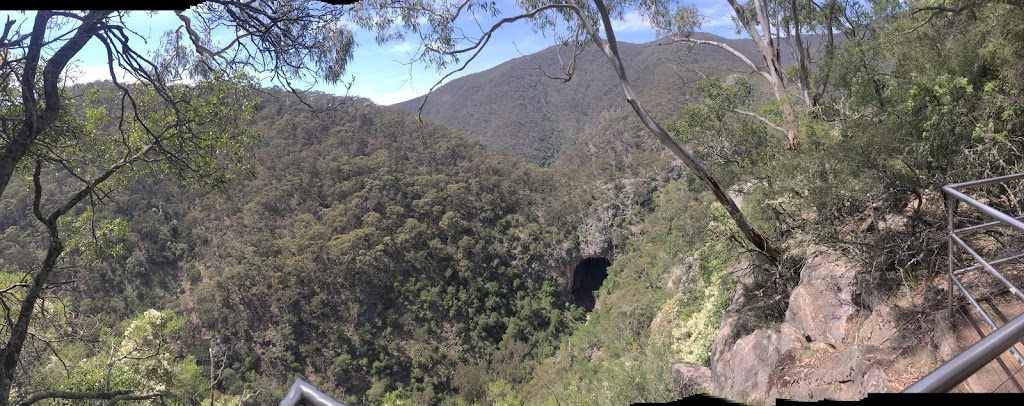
point(807, 32)
point(179, 108)
point(285, 41)
point(575, 23)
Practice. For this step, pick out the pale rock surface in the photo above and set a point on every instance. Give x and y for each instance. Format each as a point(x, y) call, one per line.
point(827, 347)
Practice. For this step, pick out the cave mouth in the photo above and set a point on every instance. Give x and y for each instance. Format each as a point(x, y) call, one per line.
point(588, 276)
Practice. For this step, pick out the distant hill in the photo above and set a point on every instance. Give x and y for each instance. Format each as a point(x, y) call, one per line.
point(515, 108)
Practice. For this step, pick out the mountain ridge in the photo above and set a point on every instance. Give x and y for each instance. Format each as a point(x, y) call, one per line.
point(514, 107)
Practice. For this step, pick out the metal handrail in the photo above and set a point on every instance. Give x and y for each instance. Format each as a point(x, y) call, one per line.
point(956, 370)
point(304, 393)
point(998, 215)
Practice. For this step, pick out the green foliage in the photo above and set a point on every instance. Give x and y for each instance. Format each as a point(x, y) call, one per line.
point(93, 239)
point(200, 137)
point(131, 250)
point(138, 359)
point(395, 262)
point(501, 393)
point(662, 302)
point(956, 99)
point(378, 254)
point(931, 99)
point(693, 315)
point(54, 323)
point(92, 160)
point(734, 148)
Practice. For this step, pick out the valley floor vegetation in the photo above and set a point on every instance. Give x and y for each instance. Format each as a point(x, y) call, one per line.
point(391, 260)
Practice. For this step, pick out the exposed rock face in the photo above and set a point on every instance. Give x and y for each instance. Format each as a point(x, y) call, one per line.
point(821, 305)
point(594, 234)
point(745, 372)
point(850, 373)
point(733, 327)
point(691, 378)
point(827, 347)
point(594, 240)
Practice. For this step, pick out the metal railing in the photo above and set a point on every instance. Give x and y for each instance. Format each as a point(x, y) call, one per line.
point(302, 393)
point(953, 372)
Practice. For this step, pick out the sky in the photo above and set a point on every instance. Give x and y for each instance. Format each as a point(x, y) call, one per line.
point(383, 73)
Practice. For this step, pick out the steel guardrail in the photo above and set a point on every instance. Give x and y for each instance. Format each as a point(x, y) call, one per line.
point(956, 370)
point(1002, 338)
point(303, 393)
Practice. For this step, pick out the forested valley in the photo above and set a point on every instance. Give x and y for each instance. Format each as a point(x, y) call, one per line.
point(209, 242)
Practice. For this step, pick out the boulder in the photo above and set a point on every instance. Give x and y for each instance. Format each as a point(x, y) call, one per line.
point(691, 378)
point(821, 306)
point(745, 371)
point(879, 327)
point(846, 374)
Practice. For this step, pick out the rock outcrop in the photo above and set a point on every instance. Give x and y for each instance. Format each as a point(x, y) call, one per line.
point(618, 209)
point(691, 378)
point(821, 305)
point(828, 346)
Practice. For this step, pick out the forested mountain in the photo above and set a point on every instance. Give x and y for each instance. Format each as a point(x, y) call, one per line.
point(516, 108)
point(361, 247)
point(371, 251)
point(545, 250)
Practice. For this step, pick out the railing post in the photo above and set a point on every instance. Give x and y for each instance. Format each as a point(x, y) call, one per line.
point(950, 206)
point(1002, 338)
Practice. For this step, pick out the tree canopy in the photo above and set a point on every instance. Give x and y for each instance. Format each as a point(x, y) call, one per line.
point(391, 260)
point(585, 23)
point(184, 108)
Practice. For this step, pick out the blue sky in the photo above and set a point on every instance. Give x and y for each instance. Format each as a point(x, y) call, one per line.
point(383, 73)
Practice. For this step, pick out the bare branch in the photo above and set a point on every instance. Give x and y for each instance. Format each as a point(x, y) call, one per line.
point(13, 286)
point(35, 121)
point(195, 37)
point(478, 46)
point(762, 119)
point(731, 50)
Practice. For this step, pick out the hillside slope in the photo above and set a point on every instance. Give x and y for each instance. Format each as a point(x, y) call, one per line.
point(515, 108)
point(361, 249)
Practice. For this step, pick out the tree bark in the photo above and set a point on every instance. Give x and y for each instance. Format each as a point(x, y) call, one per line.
point(769, 52)
point(10, 354)
point(610, 50)
point(802, 56)
point(35, 121)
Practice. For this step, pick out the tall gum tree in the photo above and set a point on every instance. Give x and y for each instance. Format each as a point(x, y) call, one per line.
point(576, 23)
point(809, 30)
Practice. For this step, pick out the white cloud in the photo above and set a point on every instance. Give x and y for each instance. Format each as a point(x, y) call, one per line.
point(632, 22)
point(386, 99)
point(82, 73)
point(717, 19)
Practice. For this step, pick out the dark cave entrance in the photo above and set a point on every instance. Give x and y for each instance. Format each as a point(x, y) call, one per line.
point(588, 276)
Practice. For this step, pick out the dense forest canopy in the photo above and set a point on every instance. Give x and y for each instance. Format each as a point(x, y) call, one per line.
point(208, 241)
